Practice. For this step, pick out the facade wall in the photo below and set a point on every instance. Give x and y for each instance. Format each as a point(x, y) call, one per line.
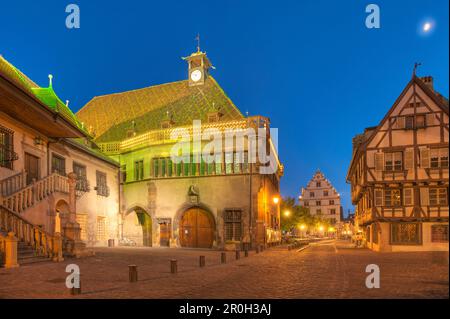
point(320, 186)
point(399, 172)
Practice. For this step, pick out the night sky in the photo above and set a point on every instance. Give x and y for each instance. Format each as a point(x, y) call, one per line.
point(311, 66)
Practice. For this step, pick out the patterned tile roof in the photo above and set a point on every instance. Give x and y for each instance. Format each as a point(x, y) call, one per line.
point(111, 116)
point(46, 95)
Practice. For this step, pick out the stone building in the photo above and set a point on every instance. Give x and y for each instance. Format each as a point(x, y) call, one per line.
point(399, 173)
point(322, 199)
point(193, 203)
point(42, 144)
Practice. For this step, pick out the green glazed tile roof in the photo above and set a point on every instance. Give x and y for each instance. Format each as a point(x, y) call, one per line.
point(46, 95)
point(111, 116)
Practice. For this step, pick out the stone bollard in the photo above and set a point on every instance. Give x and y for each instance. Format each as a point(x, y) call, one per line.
point(202, 261)
point(133, 275)
point(76, 291)
point(238, 254)
point(246, 252)
point(223, 258)
point(257, 249)
point(173, 266)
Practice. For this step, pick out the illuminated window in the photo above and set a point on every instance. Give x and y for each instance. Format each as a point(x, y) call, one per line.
point(392, 198)
point(237, 162)
point(405, 234)
point(229, 163)
point(101, 228)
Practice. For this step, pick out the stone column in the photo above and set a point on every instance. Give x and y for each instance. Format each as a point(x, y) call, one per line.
point(11, 251)
point(72, 197)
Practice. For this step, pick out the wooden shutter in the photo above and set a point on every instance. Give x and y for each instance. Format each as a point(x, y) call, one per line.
point(379, 161)
point(400, 122)
point(425, 158)
point(409, 159)
point(424, 196)
point(408, 196)
point(430, 117)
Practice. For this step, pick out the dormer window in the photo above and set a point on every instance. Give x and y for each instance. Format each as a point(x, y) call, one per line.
point(165, 125)
point(213, 117)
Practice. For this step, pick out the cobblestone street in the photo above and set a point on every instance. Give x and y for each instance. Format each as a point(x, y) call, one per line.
point(323, 270)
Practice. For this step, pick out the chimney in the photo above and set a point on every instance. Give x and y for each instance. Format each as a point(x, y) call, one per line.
point(428, 80)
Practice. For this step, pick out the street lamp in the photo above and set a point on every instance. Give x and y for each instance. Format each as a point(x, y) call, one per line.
point(287, 213)
point(276, 200)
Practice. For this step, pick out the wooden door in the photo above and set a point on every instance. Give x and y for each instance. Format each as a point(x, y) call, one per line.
point(31, 167)
point(164, 234)
point(197, 229)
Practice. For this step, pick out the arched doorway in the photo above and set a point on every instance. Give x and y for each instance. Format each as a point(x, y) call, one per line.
point(197, 228)
point(61, 207)
point(137, 228)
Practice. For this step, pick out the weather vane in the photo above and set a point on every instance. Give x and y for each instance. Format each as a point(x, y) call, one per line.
point(197, 38)
point(416, 65)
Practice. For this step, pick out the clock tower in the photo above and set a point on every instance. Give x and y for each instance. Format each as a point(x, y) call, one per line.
point(198, 67)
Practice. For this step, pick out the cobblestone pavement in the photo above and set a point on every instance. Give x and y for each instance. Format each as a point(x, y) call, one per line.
point(323, 270)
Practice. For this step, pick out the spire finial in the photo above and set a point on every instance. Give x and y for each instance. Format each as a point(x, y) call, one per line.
point(416, 65)
point(197, 38)
point(50, 77)
point(67, 103)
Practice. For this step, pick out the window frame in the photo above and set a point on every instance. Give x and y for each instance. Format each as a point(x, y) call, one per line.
point(394, 241)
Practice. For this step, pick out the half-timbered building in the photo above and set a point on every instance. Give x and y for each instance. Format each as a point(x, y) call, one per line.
point(399, 173)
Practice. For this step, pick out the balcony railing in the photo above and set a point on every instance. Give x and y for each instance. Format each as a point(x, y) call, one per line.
point(163, 136)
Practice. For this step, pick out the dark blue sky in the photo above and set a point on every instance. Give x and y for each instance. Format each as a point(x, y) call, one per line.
point(311, 66)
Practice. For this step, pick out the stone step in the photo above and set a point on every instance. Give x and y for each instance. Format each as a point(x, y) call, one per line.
point(32, 260)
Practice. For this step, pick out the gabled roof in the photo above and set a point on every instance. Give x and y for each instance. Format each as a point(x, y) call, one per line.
point(111, 116)
point(364, 139)
point(46, 95)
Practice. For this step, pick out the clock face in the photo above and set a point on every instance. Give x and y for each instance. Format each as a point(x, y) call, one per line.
point(196, 75)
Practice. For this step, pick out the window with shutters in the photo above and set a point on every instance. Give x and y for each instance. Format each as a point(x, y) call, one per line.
point(405, 234)
point(438, 196)
point(378, 197)
point(392, 198)
point(408, 197)
point(439, 157)
point(375, 233)
point(393, 161)
point(233, 225)
point(439, 233)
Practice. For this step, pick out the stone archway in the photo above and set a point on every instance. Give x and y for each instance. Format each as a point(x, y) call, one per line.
point(197, 228)
point(137, 227)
